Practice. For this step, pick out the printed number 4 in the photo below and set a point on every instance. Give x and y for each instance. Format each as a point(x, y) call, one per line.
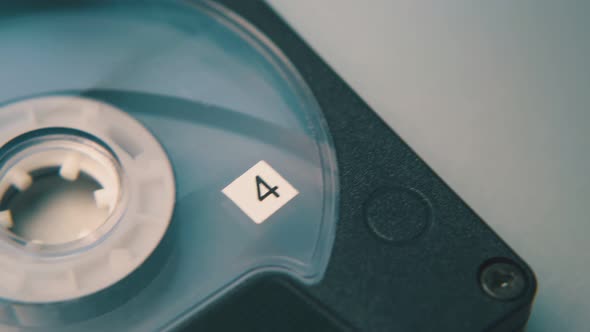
point(260, 182)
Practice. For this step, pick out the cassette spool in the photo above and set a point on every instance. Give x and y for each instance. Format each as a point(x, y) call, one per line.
point(162, 161)
point(61, 253)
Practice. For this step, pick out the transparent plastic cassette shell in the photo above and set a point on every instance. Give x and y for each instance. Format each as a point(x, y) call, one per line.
point(219, 98)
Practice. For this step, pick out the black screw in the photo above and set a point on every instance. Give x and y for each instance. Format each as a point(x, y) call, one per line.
point(502, 280)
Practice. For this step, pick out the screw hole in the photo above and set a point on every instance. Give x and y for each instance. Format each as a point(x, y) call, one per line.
point(502, 279)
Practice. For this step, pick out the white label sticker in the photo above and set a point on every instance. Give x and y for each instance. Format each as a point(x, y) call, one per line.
point(260, 192)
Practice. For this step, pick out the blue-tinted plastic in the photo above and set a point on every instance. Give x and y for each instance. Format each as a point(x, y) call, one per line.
point(219, 98)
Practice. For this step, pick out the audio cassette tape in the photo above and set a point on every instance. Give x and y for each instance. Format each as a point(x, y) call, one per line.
point(194, 165)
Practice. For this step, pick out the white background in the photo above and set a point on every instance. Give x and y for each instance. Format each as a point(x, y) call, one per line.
point(495, 96)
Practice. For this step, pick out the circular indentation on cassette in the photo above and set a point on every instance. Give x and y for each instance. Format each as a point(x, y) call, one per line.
point(398, 215)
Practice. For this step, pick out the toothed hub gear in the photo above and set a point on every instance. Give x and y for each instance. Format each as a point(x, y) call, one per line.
point(44, 156)
point(74, 136)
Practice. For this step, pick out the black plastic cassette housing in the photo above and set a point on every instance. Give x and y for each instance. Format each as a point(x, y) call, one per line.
point(409, 254)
